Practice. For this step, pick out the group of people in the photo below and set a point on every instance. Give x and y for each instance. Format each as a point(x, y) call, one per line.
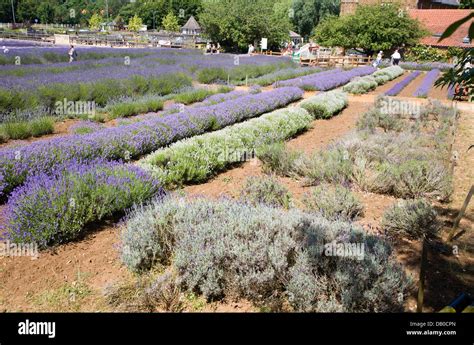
point(213, 48)
point(395, 58)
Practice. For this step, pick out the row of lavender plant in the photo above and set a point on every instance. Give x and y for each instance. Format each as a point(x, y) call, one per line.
point(134, 140)
point(398, 87)
point(327, 80)
point(52, 208)
point(427, 83)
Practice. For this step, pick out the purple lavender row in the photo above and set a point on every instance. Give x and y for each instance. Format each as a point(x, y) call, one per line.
point(426, 66)
point(327, 80)
point(222, 97)
point(398, 87)
point(50, 209)
point(133, 140)
point(427, 83)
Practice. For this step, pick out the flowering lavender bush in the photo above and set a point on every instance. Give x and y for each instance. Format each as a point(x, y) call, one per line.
point(283, 74)
point(398, 87)
point(427, 83)
point(198, 158)
point(222, 97)
point(325, 105)
point(130, 141)
point(50, 209)
point(327, 80)
point(426, 66)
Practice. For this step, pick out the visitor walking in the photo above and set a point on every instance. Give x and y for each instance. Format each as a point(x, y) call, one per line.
point(208, 48)
point(378, 60)
point(396, 58)
point(251, 49)
point(72, 54)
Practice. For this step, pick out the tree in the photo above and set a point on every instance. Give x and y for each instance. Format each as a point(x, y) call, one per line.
point(186, 9)
point(95, 21)
point(236, 23)
point(170, 23)
point(135, 23)
point(370, 29)
point(308, 13)
point(27, 11)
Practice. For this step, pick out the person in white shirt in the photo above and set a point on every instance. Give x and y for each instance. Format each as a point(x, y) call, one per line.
point(378, 60)
point(72, 54)
point(251, 49)
point(396, 57)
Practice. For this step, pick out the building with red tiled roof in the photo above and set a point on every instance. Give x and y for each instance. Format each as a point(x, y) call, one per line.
point(349, 6)
point(436, 21)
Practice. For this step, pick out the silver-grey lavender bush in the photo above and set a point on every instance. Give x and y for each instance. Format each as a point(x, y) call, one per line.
point(223, 248)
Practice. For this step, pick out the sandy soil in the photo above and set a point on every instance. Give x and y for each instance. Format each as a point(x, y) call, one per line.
point(413, 86)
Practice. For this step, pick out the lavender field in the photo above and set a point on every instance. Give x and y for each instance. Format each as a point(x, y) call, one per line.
point(122, 137)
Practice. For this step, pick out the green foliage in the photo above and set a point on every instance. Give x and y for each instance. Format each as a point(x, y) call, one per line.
point(211, 75)
point(459, 76)
point(364, 29)
point(17, 130)
point(194, 96)
point(265, 190)
point(413, 219)
point(170, 23)
point(237, 75)
point(135, 23)
point(100, 92)
point(95, 21)
point(130, 108)
point(334, 202)
point(237, 23)
point(424, 53)
point(42, 126)
point(306, 14)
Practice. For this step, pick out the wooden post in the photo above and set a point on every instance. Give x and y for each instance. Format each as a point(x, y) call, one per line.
point(461, 214)
point(421, 282)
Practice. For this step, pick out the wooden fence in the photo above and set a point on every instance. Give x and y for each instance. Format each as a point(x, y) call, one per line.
point(34, 36)
point(332, 61)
